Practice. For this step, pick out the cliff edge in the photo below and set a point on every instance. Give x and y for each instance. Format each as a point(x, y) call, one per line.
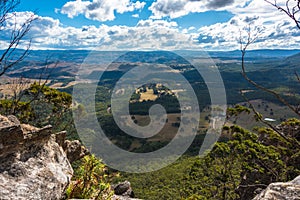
point(34, 162)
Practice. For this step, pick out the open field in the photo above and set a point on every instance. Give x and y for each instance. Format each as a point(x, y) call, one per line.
point(267, 109)
point(169, 130)
point(148, 95)
point(61, 85)
point(9, 86)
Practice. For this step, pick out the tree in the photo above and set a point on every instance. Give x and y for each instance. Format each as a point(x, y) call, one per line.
point(25, 95)
point(234, 112)
point(291, 8)
point(244, 44)
point(90, 180)
point(9, 57)
point(234, 169)
point(275, 153)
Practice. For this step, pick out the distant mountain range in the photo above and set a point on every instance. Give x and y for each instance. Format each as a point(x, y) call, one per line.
point(264, 53)
point(34, 63)
point(77, 56)
point(293, 58)
point(272, 68)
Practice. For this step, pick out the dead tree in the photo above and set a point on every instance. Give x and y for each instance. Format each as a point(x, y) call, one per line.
point(9, 57)
point(291, 8)
point(244, 44)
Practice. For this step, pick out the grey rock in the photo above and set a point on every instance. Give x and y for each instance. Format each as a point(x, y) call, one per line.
point(74, 150)
point(34, 162)
point(123, 191)
point(10, 131)
point(122, 188)
point(281, 191)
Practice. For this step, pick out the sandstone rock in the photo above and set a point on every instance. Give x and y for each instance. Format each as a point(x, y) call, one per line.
point(123, 191)
point(10, 131)
point(74, 150)
point(123, 188)
point(33, 162)
point(281, 191)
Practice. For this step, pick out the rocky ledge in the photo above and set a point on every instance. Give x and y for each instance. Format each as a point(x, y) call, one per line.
point(34, 162)
point(281, 191)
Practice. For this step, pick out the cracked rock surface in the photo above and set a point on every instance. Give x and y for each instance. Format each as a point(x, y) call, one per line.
point(33, 161)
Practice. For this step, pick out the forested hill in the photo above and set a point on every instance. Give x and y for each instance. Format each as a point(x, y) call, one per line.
point(79, 55)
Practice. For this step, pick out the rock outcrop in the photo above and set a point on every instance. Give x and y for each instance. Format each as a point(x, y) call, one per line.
point(33, 161)
point(281, 191)
point(123, 191)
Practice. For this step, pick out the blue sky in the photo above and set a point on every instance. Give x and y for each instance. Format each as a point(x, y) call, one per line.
point(154, 24)
point(47, 8)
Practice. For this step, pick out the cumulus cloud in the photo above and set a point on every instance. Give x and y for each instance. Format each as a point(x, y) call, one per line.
point(13, 23)
point(49, 33)
point(100, 10)
point(74, 8)
point(214, 4)
point(149, 34)
point(178, 8)
point(135, 15)
point(272, 28)
point(164, 8)
point(276, 31)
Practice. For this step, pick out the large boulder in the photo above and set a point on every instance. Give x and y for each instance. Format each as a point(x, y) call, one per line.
point(281, 191)
point(123, 191)
point(33, 161)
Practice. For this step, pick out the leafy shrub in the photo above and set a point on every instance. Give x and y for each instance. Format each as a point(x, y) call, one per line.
point(90, 180)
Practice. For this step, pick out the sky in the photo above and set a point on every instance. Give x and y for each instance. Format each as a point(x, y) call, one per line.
point(152, 25)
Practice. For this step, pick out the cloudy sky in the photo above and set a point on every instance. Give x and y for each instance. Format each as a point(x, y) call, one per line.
point(153, 24)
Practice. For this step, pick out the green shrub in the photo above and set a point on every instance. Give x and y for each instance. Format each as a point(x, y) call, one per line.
point(90, 180)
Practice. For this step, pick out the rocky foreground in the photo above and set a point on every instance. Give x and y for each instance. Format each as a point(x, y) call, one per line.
point(281, 191)
point(35, 163)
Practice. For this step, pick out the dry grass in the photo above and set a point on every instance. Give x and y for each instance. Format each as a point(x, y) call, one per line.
point(9, 86)
point(169, 131)
point(60, 85)
point(56, 85)
point(267, 109)
point(148, 95)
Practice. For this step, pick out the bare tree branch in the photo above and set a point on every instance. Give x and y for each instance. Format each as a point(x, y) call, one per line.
point(43, 80)
point(7, 7)
point(259, 118)
point(297, 76)
point(244, 47)
point(7, 59)
point(291, 10)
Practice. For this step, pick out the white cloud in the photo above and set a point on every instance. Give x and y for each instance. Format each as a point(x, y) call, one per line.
point(149, 35)
point(100, 10)
point(13, 23)
point(277, 30)
point(136, 15)
point(49, 33)
point(178, 8)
